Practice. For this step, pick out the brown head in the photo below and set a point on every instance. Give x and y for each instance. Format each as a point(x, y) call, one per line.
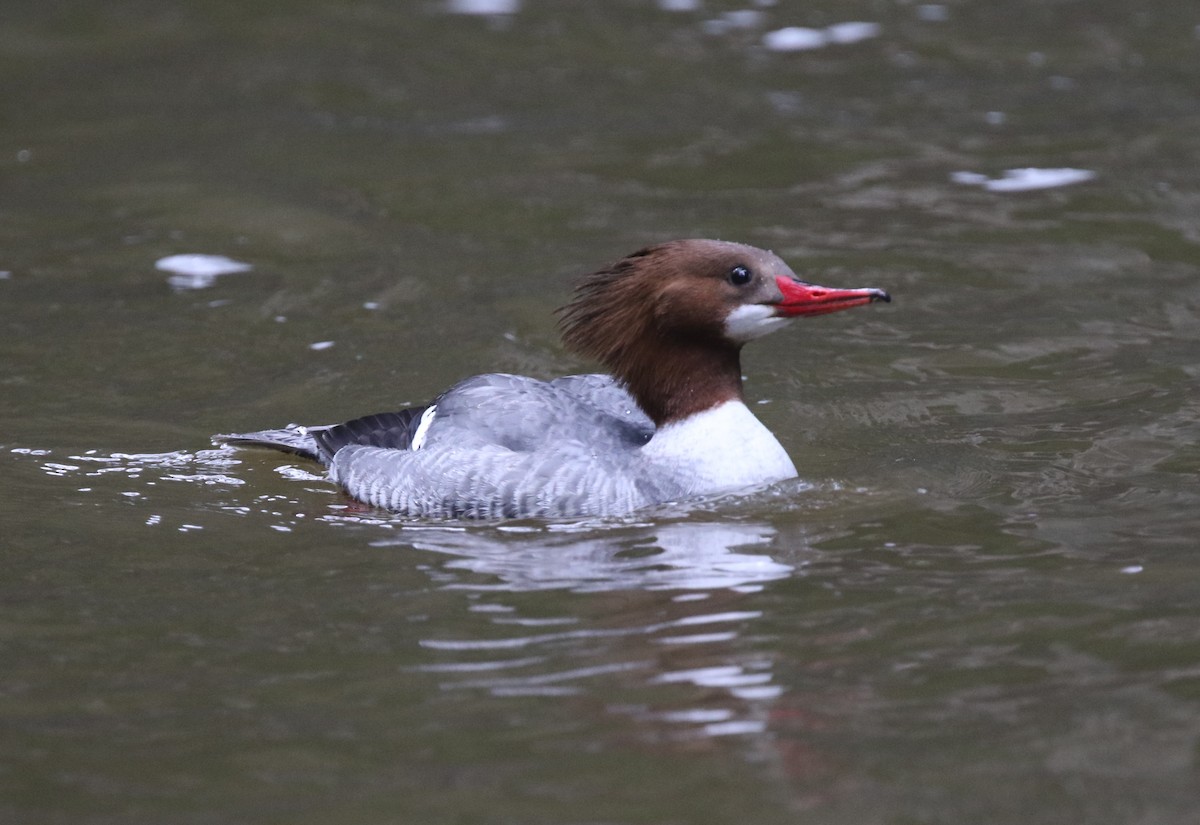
point(670, 320)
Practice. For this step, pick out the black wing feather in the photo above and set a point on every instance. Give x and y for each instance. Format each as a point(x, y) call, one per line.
point(394, 430)
point(390, 429)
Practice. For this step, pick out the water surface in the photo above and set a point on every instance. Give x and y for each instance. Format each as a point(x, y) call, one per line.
point(979, 603)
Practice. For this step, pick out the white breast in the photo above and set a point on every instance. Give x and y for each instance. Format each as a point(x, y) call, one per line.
point(721, 449)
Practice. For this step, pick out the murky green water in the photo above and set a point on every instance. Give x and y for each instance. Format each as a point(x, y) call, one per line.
point(980, 605)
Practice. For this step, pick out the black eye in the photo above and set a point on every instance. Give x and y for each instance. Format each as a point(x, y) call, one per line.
point(739, 276)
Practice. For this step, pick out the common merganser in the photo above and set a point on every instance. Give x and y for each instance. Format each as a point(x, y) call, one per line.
point(669, 423)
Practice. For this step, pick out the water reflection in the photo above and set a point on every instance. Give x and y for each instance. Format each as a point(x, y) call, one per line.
point(668, 622)
point(1025, 180)
point(483, 7)
point(197, 270)
point(675, 556)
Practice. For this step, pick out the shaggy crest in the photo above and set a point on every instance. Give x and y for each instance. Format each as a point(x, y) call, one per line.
point(609, 309)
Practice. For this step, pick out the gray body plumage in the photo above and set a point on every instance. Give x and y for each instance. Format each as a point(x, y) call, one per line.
point(498, 446)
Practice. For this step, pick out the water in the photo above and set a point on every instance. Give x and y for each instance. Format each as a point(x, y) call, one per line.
point(978, 605)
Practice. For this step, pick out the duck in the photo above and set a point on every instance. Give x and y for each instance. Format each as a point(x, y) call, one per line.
point(667, 423)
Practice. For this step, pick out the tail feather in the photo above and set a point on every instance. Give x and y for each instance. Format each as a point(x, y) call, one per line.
point(292, 439)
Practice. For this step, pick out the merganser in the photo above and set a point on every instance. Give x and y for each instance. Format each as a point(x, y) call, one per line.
point(669, 423)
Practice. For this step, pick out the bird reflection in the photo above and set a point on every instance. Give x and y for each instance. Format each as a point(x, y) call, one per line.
point(666, 620)
point(682, 556)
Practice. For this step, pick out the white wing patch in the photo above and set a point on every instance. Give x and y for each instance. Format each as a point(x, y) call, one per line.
point(418, 440)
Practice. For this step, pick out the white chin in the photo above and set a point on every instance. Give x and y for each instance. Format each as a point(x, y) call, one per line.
point(751, 321)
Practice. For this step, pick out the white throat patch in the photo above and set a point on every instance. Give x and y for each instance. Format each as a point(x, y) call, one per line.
point(750, 321)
